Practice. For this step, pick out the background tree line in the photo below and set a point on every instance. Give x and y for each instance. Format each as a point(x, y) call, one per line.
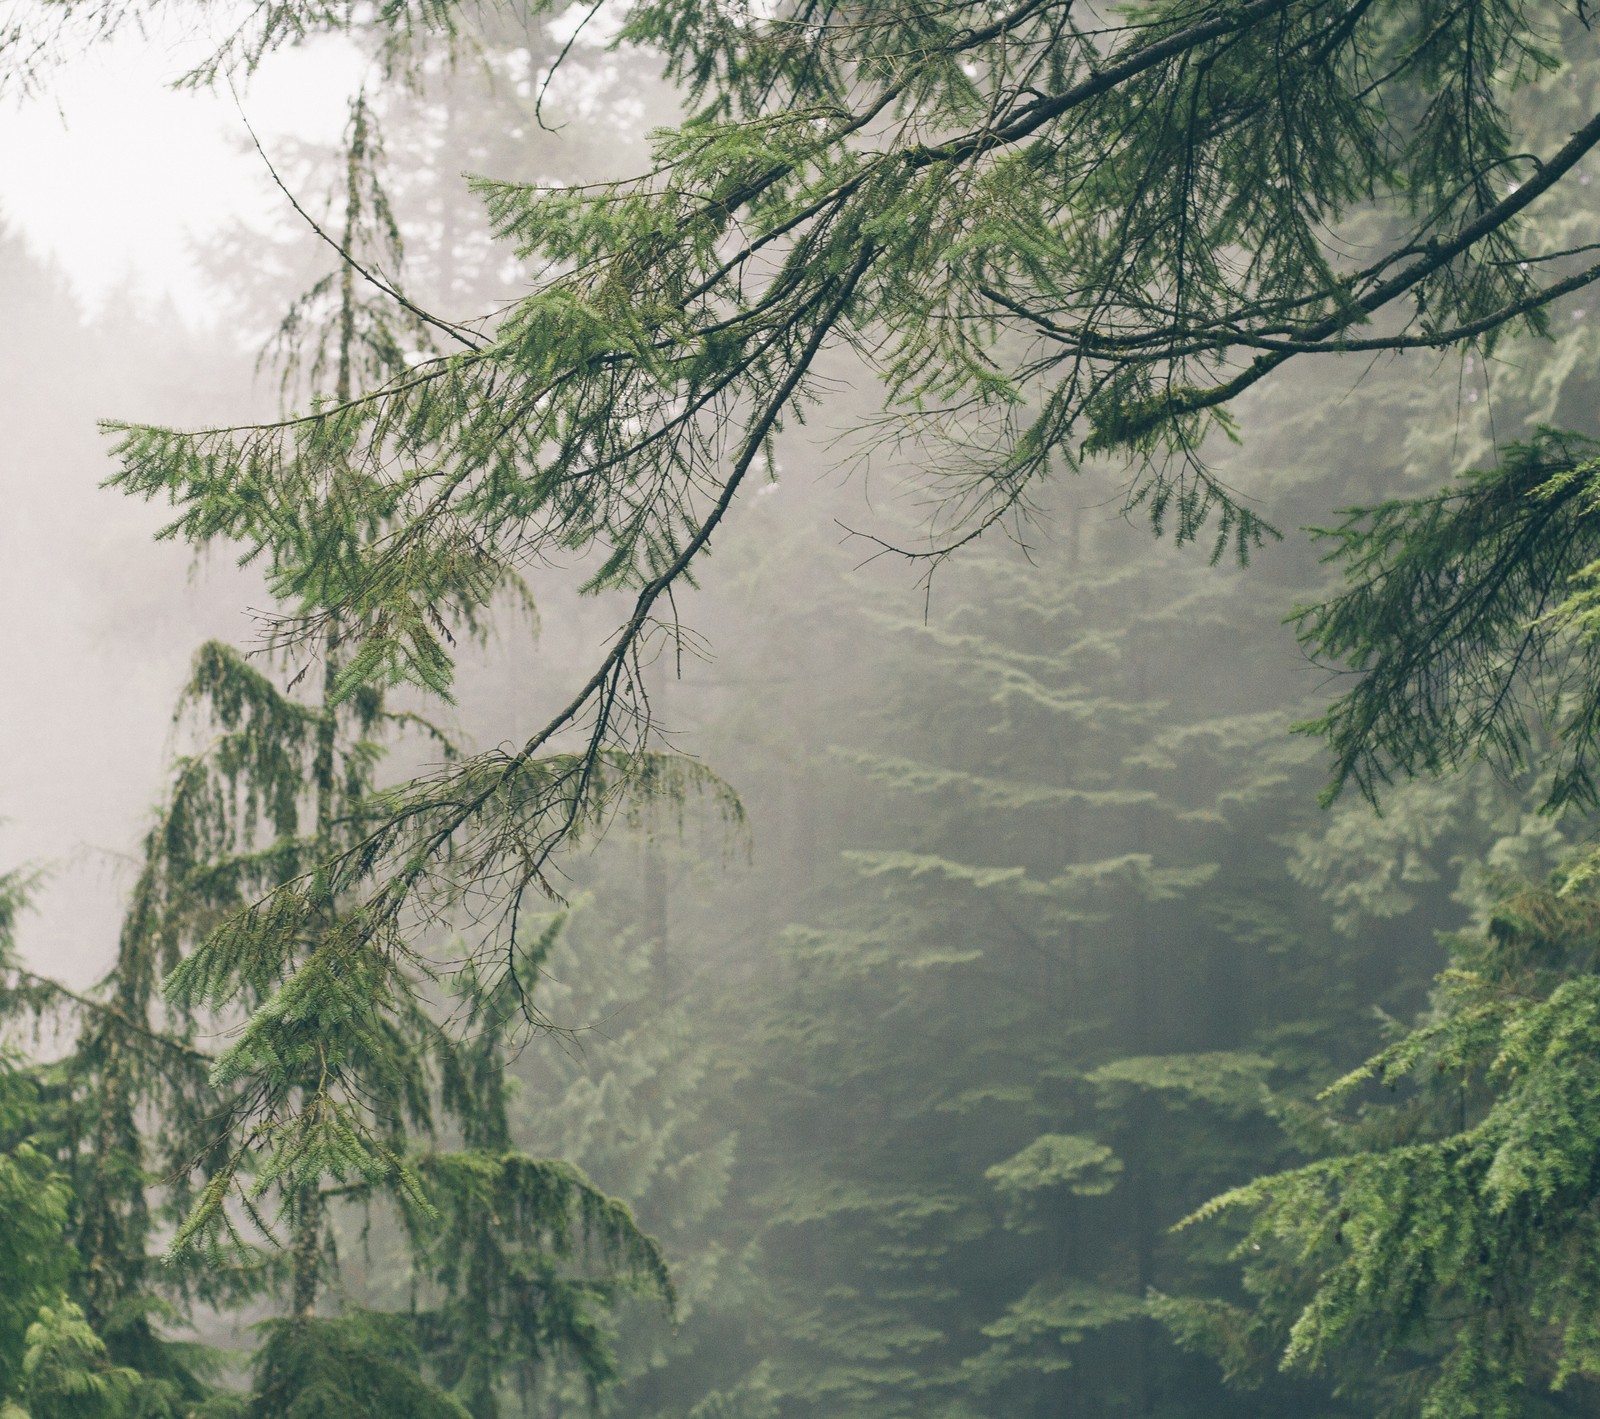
point(1045, 944)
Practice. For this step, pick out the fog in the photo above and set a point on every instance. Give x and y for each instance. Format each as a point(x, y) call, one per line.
point(1031, 865)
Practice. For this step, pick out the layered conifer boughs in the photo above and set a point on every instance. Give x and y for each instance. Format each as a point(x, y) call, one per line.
point(1024, 1024)
point(978, 1201)
point(1048, 237)
point(632, 1099)
point(67, 1372)
point(1469, 622)
point(236, 1090)
point(330, 1095)
point(1451, 1233)
point(360, 1366)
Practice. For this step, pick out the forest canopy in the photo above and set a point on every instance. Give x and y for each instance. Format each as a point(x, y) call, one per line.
point(1050, 235)
point(1048, 241)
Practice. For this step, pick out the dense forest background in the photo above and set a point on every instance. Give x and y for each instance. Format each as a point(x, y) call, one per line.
point(1032, 937)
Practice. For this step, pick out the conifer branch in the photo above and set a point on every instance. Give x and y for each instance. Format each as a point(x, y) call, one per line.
point(106, 1010)
point(458, 333)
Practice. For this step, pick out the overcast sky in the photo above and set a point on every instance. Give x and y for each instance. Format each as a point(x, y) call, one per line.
point(116, 175)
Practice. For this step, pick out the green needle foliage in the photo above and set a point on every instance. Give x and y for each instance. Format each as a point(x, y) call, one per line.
point(983, 1083)
point(35, 1256)
point(249, 898)
point(1470, 620)
point(331, 1095)
point(1450, 1238)
point(67, 1373)
point(1048, 235)
point(341, 1086)
point(356, 1367)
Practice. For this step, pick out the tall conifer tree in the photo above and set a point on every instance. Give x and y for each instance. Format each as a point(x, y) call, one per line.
point(250, 1151)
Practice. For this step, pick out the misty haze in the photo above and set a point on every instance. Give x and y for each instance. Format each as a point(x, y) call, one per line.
point(788, 711)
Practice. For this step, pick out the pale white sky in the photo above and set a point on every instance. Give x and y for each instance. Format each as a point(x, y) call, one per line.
point(116, 175)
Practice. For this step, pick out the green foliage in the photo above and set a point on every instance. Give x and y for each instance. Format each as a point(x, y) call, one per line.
point(1231, 1081)
point(338, 1067)
point(35, 1255)
point(970, 1112)
point(928, 190)
point(340, 1075)
point(753, 1399)
point(350, 330)
point(358, 1366)
point(503, 1227)
point(339, 1070)
point(625, 1092)
point(331, 1093)
point(1051, 242)
point(1452, 1235)
point(67, 1373)
point(1079, 1164)
point(1036, 1334)
point(1469, 620)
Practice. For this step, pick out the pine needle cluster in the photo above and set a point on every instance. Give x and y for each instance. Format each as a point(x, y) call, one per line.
point(1452, 1240)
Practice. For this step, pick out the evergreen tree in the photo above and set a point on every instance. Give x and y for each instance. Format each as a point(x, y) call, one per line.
point(1032, 1014)
point(249, 1153)
point(1408, 1258)
point(53, 1364)
point(932, 190)
point(1439, 1257)
point(1466, 615)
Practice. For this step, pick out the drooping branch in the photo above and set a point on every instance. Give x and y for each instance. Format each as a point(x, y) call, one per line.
point(1046, 240)
point(1466, 626)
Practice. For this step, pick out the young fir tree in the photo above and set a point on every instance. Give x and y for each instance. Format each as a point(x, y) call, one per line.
point(358, 1095)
